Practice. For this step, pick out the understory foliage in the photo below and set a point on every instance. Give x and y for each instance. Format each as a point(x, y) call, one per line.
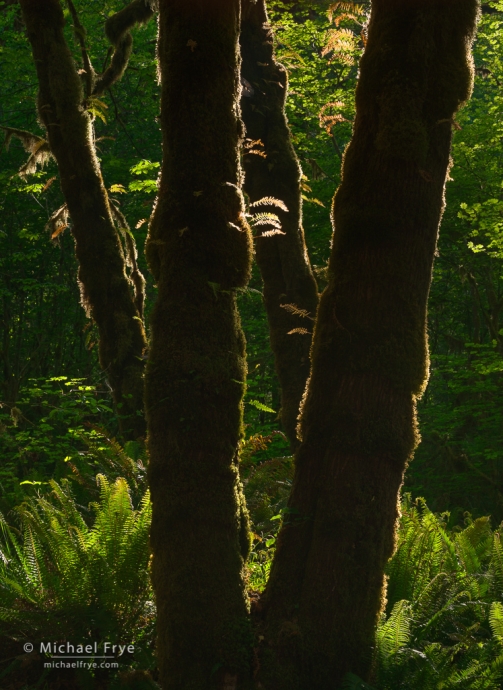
point(444, 617)
point(79, 569)
point(78, 573)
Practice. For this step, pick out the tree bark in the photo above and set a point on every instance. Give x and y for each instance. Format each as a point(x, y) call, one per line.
point(282, 259)
point(107, 294)
point(370, 355)
point(199, 251)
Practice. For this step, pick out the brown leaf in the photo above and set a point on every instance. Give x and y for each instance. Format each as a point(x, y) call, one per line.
point(302, 331)
point(58, 231)
point(48, 183)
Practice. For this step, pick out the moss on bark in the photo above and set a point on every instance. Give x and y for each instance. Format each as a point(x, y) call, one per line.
point(199, 251)
point(107, 293)
point(282, 259)
point(370, 355)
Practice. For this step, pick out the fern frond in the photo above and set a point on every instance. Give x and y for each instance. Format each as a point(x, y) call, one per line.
point(269, 201)
point(496, 620)
point(271, 233)
point(294, 309)
point(328, 120)
point(268, 221)
point(301, 331)
point(342, 6)
point(345, 16)
point(342, 43)
point(394, 633)
point(496, 564)
point(257, 152)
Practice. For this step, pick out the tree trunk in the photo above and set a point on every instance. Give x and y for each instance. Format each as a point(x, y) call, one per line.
point(282, 259)
point(370, 356)
point(107, 294)
point(199, 251)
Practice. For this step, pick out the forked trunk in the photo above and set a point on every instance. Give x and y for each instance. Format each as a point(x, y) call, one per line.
point(107, 293)
point(272, 170)
point(370, 355)
point(199, 251)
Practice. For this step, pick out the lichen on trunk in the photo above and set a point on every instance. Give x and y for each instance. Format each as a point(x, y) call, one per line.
point(282, 259)
point(199, 251)
point(107, 293)
point(370, 355)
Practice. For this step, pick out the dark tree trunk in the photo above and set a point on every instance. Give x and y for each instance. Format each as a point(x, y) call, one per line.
point(370, 355)
point(107, 293)
point(199, 251)
point(282, 259)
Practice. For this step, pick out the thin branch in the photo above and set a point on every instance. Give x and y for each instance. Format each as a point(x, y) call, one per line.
point(80, 35)
point(119, 119)
point(117, 29)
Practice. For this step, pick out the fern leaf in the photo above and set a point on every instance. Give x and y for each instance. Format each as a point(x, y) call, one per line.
point(269, 201)
point(261, 406)
point(353, 7)
point(313, 200)
point(267, 221)
point(257, 152)
point(496, 620)
point(394, 633)
point(496, 565)
point(294, 309)
point(270, 233)
point(301, 331)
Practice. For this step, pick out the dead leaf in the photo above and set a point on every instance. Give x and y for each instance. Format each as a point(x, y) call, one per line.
point(58, 231)
point(48, 183)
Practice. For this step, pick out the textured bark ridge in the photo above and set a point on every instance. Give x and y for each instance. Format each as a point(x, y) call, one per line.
point(370, 355)
point(282, 259)
point(199, 251)
point(107, 293)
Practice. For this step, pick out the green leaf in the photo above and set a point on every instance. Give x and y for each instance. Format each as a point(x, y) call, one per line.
point(261, 406)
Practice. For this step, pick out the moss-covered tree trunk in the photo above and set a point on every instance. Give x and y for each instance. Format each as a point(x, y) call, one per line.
point(282, 259)
point(370, 355)
point(106, 292)
point(199, 251)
